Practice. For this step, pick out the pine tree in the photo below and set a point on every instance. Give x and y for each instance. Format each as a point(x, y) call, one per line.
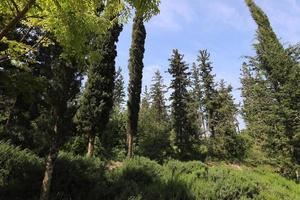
point(226, 143)
point(135, 79)
point(180, 99)
point(281, 73)
point(157, 92)
point(119, 90)
point(209, 92)
point(196, 109)
point(97, 100)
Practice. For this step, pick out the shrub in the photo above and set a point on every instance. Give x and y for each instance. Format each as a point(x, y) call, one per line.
point(20, 173)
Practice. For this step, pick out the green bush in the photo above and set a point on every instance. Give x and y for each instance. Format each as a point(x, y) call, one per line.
point(78, 177)
point(75, 177)
point(20, 173)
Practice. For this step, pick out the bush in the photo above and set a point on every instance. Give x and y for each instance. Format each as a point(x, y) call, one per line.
point(75, 177)
point(20, 173)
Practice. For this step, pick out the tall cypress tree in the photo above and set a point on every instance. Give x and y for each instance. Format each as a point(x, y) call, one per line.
point(281, 74)
point(180, 99)
point(97, 100)
point(209, 91)
point(135, 66)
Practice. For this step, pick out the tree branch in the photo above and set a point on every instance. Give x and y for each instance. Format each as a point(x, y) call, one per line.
point(17, 19)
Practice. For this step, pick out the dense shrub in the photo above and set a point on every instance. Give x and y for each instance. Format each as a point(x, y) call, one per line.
point(141, 178)
point(78, 177)
point(75, 177)
point(20, 173)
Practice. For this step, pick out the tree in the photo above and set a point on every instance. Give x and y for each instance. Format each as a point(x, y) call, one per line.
point(62, 89)
point(119, 91)
point(60, 19)
point(196, 109)
point(180, 99)
point(97, 100)
point(225, 143)
point(209, 92)
point(144, 10)
point(153, 133)
point(157, 92)
point(281, 74)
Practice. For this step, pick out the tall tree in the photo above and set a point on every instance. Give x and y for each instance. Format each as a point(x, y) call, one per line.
point(157, 92)
point(143, 11)
point(62, 89)
point(209, 91)
point(281, 73)
point(180, 99)
point(97, 100)
point(196, 105)
point(225, 143)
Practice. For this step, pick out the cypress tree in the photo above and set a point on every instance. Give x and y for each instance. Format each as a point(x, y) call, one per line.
point(180, 99)
point(157, 92)
point(135, 67)
point(281, 73)
point(209, 92)
point(97, 100)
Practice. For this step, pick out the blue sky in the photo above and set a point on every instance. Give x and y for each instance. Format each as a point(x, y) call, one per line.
point(223, 27)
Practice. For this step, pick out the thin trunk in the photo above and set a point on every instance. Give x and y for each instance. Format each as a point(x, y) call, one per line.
point(91, 145)
point(129, 143)
point(16, 20)
point(51, 158)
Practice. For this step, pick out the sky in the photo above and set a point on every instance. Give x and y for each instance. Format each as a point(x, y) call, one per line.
point(223, 27)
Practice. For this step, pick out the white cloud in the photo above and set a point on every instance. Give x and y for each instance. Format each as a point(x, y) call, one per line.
point(172, 14)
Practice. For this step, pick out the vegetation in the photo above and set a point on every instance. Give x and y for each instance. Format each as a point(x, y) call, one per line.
point(66, 133)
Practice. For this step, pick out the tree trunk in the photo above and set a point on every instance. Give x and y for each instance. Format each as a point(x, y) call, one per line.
point(16, 20)
point(91, 145)
point(129, 143)
point(46, 185)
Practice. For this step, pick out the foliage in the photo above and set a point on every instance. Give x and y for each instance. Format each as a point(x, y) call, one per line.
point(135, 66)
point(180, 100)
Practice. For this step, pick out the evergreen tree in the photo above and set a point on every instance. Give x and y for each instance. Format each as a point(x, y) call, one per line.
point(209, 92)
point(62, 89)
point(281, 73)
point(180, 99)
point(135, 79)
point(157, 92)
point(97, 100)
point(119, 91)
point(196, 109)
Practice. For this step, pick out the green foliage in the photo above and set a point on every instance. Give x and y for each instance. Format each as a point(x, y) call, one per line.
point(271, 91)
point(97, 99)
point(135, 67)
point(145, 9)
point(75, 177)
point(180, 99)
point(16, 168)
point(144, 179)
